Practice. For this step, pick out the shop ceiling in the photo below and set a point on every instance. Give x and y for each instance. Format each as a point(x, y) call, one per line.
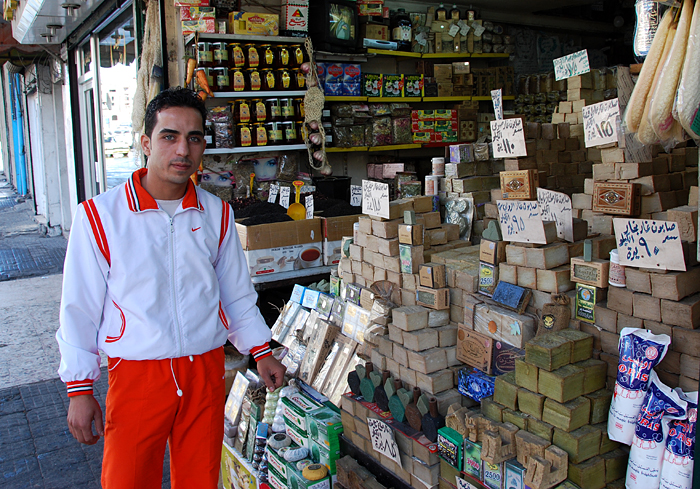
point(33, 19)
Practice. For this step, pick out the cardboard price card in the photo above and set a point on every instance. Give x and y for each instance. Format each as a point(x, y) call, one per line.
point(649, 244)
point(571, 65)
point(497, 98)
point(600, 122)
point(556, 206)
point(508, 138)
point(355, 195)
point(521, 221)
point(285, 192)
point(383, 440)
point(375, 199)
point(309, 199)
point(274, 190)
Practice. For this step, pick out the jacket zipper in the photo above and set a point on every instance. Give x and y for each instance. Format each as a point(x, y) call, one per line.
point(172, 287)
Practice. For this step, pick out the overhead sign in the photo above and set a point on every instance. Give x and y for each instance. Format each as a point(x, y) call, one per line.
point(649, 244)
point(556, 206)
point(383, 439)
point(309, 199)
point(521, 221)
point(508, 138)
point(600, 122)
point(497, 98)
point(284, 196)
point(356, 195)
point(571, 65)
point(375, 199)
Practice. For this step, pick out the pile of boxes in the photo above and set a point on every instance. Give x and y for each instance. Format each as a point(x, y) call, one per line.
point(434, 126)
point(340, 79)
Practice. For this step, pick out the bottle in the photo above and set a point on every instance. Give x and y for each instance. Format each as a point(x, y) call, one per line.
point(401, 31)
point(454, 13)
point(441, 13)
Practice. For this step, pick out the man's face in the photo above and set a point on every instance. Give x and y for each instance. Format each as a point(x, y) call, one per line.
point(174, 149)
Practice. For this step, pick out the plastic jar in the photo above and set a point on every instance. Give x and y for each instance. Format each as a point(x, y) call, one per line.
point(274, 132)
point(284, 60)
point(235, 55)
point(237, 81)
point(244, 135)
point(268, 56)
point(438, 167)
point(252, 57)
point(254, 80)
point(260, 134)
point(220, 54)
point(269, 79)
point(290, 135)
point(287, 108)
point(274, 112)
point(258, 110)
point(241, 111)
point(284, 77)
point(297, 54)
point(298, 80)
point(616, 275)
point(205, 55)
point(221, 79)
point(432, 182)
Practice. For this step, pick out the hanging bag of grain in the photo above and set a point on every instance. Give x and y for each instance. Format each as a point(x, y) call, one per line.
point(661, 406)
point(677, 468)
point(688, 98)
point(640, 351)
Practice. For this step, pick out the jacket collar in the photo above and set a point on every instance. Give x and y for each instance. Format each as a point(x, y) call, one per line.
point(140, 200)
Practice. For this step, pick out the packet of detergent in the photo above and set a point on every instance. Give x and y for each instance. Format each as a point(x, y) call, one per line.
point(640, 351)
point(661, 406)
point(677, 468)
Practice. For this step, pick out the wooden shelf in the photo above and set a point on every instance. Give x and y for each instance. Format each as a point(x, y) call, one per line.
point(254, 149)
point(345, 99)
point(490, 55)
point(261, 94)
point(387, 52)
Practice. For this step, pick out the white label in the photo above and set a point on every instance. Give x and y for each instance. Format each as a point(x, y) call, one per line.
point(508, 138)
point(383, 439)
point(649, 244)
point(284, 196)
point(463, 28)
point(375, 199)
point(497, 98)
point(356, 195)
point(600, 122)
point(521, 221)
point(462, 484)
point(274, 190)
point(479, 30)
point(556, 206)
point(309, 206)
point(571, 65)
point(454, 30)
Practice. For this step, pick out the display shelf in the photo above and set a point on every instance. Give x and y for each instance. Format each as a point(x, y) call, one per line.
point(487, 98)
point(395, 147)
point(261, 94)
point(254, 149)
point(438, 145)
point(245, 37)
point(332, 98)
point(455, 98)
point(446, 55)
point(388, 52)
point(490, 55)
point(394, 99)
point(355, 149)
point(292, 276)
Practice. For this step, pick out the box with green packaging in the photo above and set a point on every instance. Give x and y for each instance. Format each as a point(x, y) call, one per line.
point(275, 479)
point(320, 454)
point(472, 459)
point(300, 437)
point(297, 481)
point(325, 426)
point(296, 406)
point(277, 462)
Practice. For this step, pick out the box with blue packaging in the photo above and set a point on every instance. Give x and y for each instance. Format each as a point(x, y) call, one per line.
point(475, 384)
point(351, 89)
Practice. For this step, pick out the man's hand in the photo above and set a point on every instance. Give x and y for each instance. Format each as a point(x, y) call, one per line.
point(82, 411)
point(272, 372)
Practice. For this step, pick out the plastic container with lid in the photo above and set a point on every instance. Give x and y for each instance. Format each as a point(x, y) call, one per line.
point(260, 134)
point(220, 54)
point(284, 78)
point(269, 79)
point(284, 58)
point(244, 134)
point(290, 134)
point(258, 110)
point(297, 54)
point(235, 55)
point(221, 79)
point(287, 108)
point(205, 55)
point(252, 57)
point(254, 80)
point(268, 56)
point(241, 111)
point(274, 112)
point(274, 132)
point(616, 275)
point(298, 79)
point(237, 80)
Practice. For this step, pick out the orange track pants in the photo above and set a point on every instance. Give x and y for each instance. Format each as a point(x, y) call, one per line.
point(144, 411)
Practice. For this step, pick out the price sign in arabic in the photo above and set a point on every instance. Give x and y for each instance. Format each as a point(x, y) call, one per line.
point(284, 196)
point(521, 221)
point(356, 195)
point(508, 138)
point(571, 65)
point(383, 439)
point(497, 97)
point(375, 199)
point(555, 206)
point(649, 244)
point(274, 190)
point(309, 199)
point(600, 122)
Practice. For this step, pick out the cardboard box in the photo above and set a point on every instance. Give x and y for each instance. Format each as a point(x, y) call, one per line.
point(438, 299)
point(334, 229)
point(235, 467)
point(392, 86)
point(295, 16)
point(443, 72)
point(475, 349)
point(374, 31)
point(519, 185)
point(432, 275)
point(488, 278)
point(411, 234)
point(372, 84)
point(492, 252)
point(253, 23)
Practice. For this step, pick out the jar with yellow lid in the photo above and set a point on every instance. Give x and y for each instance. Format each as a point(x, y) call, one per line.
point(235, 55)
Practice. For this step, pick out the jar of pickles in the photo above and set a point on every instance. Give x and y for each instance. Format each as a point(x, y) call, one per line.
point(205, 55)
point(298, 79)
point(274, 132)
point(254, 80)
point(296, 54)
point(221, 79)
point(287, 108)
point(284, 77)
point(284, 59)
point(237, 80)
point(241, 111)
point(274, 112)
point(268, 56)
point(220, 54)
point(252, 57)
point(244, 134)
point(258, 110)
point(235, 55)
point(269, 79)
point(299, 111)
point(260, 134)
point(289, 132)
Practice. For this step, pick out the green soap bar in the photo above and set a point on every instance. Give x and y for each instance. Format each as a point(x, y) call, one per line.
point(505, 391)
point(580, 444)
point(531, 403)
point(562, 384)
point(615, 464)
point(521, 420)
point(582, 344)
point(548, 351)
point(492, 410)
point(595, 374)
point(526, 374)
point(600, 405)
point(589, 474)
point(569, 416)
point(541, 429)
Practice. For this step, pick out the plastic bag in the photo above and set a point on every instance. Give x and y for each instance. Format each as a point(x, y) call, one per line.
point(647, 22)
point(342, 110)
point(342, 136)
point(677, 468)
point(381, 131)
point(401, 130)
point(460, 211)
point(379, 109)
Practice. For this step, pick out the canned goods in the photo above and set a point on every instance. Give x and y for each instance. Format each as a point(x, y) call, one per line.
point(287, 108)
point(252, 57)
point(205, 55)
point(260, 134)
point(237, 80)
point(220, 54)
point(244, 134)
point(285, 79)
point(268, 56)
point(274, 111)
point(274, 132)
point(254, 80)
point(297, 55)
point(236, 55)
point(259, 110)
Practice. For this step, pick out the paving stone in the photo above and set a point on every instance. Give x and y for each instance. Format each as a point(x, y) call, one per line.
point(67, 475)
point(14, 434)
point(20, 472)
point(56, 441)
point(43, 413)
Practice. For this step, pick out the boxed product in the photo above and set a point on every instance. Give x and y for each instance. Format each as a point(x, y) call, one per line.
point(253, 23)
point(197, 13)
point(202, 25)
point(379, 32)
point(445, 115)
point(413, 85)
point(422, 137)
point(444, 137)
point(392, 86)
point(475, 384)
point(423, 126)
point(422, 115)
point(191, 3)
point(334, 73)
point(372, 84)
point(472, 459)
point(520, 184)
point(295, 16)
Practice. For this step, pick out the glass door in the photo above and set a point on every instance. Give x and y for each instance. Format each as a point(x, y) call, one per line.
point(93, 165)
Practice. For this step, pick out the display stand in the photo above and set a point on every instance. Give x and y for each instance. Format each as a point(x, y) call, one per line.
point(291, 277)
point(236, 471)
point(379, 471)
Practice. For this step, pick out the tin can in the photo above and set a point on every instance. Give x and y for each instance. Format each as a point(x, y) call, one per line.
point(432, 183)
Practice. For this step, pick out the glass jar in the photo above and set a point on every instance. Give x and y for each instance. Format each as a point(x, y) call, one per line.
point(284, 59)
point(274, 132)
point(241, 111)
point(220, 54)
point(235, 55)
point(298, 79)
point(287, 108)
point(237, 80)
point(269, 79)
point(297, 54)
point(244, 134)
point(268, 56)
point(302, 131)
point(284, 77)
point(289, 132)
point(401, 29)
point(221, 79)
point(299, 111)
point(260, 134)
point(274, 112)
point(205, 55)
point(210, 77)
point(258, 110)
point(252, 57)
point(254, 80)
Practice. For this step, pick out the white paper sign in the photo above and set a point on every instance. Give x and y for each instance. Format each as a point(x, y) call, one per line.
point(309, 206)
point(508, 138)
point(284, 196)
point(521, 221)
point(479, 30)
point(355, 195)
point(497, 98)
point(556, 206)
point(571, 65)
point(454, 30)
point(600, 122)
point(375, 199)
point(274, 190)
point(383, 439)
point(463, 28)
point(462, 484)
point(649, 244)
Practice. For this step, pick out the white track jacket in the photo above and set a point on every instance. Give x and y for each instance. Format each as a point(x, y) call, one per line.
point(139, 285)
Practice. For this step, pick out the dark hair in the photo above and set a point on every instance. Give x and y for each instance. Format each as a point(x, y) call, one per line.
point(172, 97)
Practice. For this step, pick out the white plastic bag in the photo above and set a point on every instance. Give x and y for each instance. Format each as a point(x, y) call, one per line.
point(677, 468)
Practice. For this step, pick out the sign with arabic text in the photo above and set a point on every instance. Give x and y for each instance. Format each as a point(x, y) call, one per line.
point(383, 440)
point(497, 98)
point(508, 138)
point(355, 195)
point(285, 192)
point(521, 221)
point(375, 199)
point(600, 122)
point(571, 65)
point(649, 244)
point(556, 206)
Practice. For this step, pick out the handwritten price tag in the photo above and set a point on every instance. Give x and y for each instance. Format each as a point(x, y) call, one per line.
point(375, 199)
point(649, 244)
point(463, 28)
point(508, 138)
point(309, 206)
point(274, 190)
point(383, 439)
point(284, 196)
point(600, 123)
point(356, 195)
point(571, 65)
point(479, 30)
point(521, 221)
point(497, 98)
point(454, 30)
point(555, 206)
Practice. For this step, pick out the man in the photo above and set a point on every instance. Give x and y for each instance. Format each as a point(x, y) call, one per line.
point(156, 278)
